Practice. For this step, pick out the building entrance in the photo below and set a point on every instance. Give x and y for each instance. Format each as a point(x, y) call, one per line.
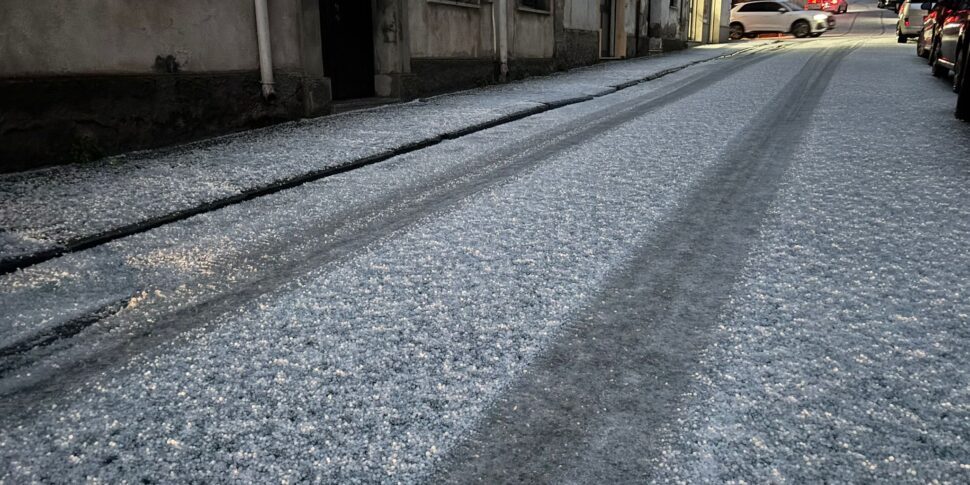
point(607, 27)
point(348, 47)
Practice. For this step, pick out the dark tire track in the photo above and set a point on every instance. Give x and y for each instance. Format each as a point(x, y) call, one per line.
point(593, 408)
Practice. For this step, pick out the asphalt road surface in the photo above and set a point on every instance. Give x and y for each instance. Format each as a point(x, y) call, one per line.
point(754, 269)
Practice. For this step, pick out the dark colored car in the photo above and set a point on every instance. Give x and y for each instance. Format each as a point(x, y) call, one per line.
point(929, 38)
point(890, 4)
point(963, 100)
point(949, 51)
point(931, 23)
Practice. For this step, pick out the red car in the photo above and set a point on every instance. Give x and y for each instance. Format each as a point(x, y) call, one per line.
point(948, 52)
point(833, 6)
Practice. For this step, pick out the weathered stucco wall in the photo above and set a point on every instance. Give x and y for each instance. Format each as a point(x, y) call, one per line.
point(450, 29)
point(532, 34)
point(666, 31)
point(50, 37)
point(636, 46)
point(576, 34)
point(392, 52)
point(629, 16)
point(79, 79)
point(581, 14)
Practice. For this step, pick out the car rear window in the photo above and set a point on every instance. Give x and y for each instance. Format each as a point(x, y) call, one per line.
point(760, 7)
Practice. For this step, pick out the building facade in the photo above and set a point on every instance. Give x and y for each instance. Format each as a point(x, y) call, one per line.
point(84, 78)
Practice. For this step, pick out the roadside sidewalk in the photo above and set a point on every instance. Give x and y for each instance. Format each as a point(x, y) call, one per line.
point(48, 212)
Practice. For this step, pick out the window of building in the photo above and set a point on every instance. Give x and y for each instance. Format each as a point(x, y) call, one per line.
point(535, 4)
point(459, 2)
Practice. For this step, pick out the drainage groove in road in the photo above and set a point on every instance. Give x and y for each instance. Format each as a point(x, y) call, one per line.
point(592, 408)
point(359, 228)
point(11, 264)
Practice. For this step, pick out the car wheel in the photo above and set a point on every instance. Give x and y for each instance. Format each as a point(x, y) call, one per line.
point(963, 106)
point(815, 34)
point(938, 69)
point(899, 36)
point(737, 31)
point(800, 29)
point(845, 8)
point(963, 100)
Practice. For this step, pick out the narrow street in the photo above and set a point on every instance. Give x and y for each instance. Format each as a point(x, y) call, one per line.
point(752, 268)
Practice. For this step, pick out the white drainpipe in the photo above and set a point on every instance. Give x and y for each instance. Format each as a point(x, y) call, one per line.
point(265, 49)
point(503, 38)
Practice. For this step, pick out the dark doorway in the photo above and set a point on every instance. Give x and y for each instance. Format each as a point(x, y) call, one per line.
point(607, 26)
point(348, 47)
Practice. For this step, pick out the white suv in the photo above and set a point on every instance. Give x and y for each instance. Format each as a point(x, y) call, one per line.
point(910, 20)
point(769, 16)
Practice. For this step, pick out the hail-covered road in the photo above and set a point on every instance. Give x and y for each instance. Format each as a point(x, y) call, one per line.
point(755, 268)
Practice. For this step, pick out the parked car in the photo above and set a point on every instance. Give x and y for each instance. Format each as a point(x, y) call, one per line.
point(929, 37)
point(771, 16)
point(963, 99)
point(910, 21)
point(948, 51)
point(834, 6)
point(924, 40)
point(890, 4)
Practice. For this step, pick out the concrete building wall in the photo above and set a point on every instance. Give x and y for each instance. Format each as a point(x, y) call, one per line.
point(392, 50)
point(532, 33)
point(85, 78)
point(80, 79)
point(44, 37)
point(446, 29)
point(636, 11)
point(722, 21)
point(667, 24)
point(705, 20)
point(577, 24)
point(451, 46)
point(581, 14)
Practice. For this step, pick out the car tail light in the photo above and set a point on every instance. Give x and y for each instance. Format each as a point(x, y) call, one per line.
point(906, 22)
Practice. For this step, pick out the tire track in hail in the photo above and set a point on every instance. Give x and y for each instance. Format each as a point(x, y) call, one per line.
point(592, 408)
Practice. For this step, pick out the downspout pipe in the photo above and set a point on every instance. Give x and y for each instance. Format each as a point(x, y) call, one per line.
point(503, 39)
point(265, 49)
